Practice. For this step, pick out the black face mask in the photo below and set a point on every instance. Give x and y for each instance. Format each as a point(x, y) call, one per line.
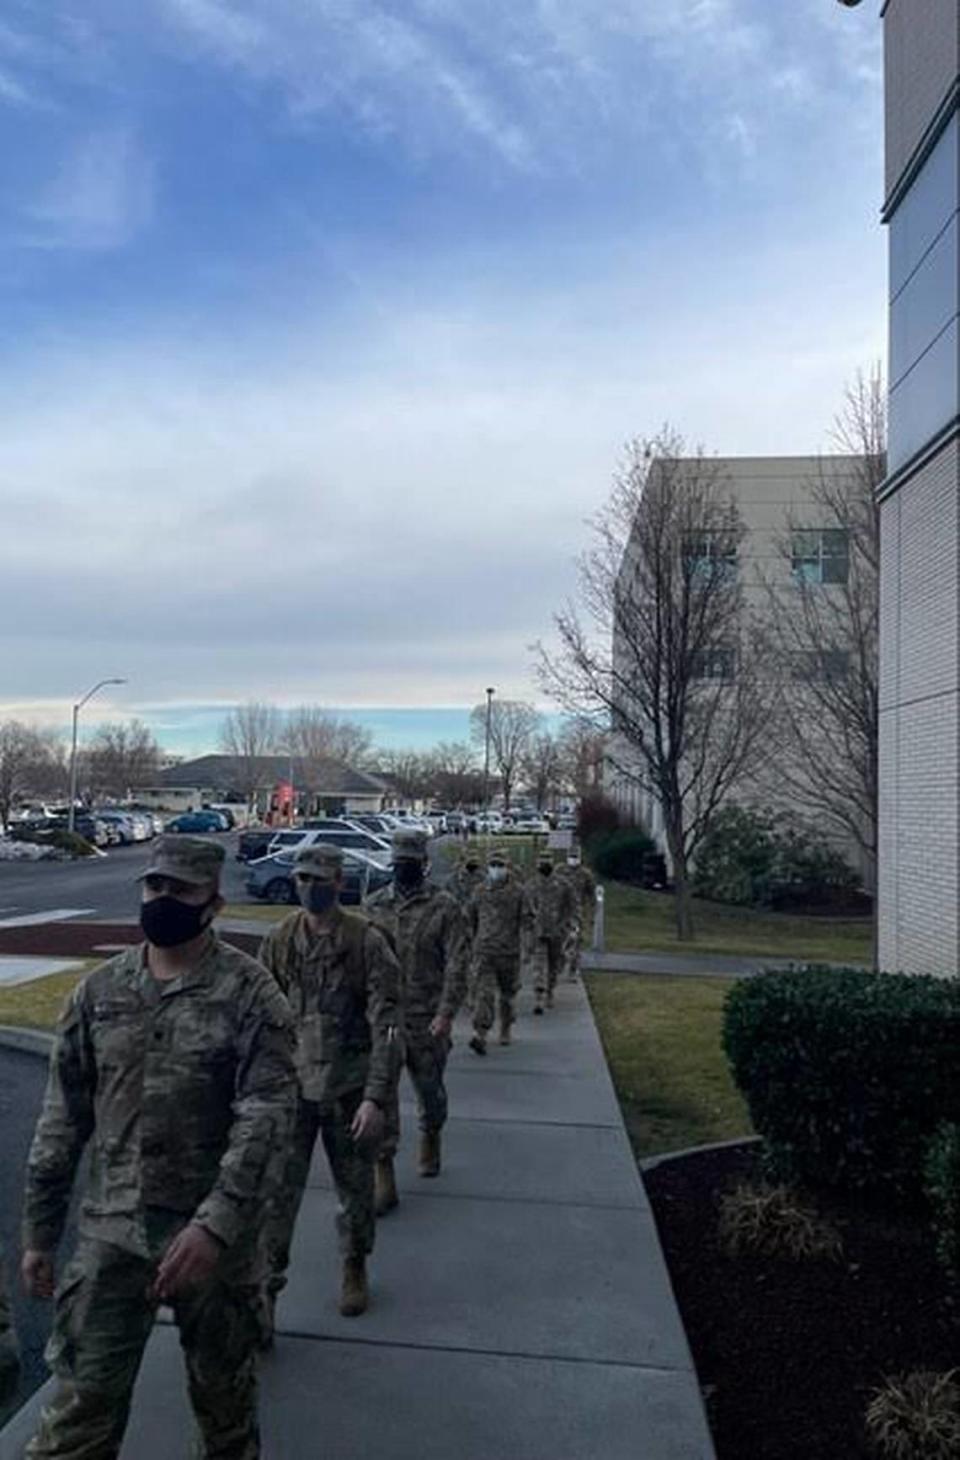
point(408, 875)
point(167, 922)
point(547, 871)
point(317, 897)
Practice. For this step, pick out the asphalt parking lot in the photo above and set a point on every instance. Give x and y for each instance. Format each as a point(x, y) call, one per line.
point(98, 887)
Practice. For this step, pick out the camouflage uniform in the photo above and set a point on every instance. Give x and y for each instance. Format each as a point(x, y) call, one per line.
point(552, 901)
point(343, 988)
point(500, 920)
point(465, 881)
point(428, 932)
point(584, 887)
point(184, 1088)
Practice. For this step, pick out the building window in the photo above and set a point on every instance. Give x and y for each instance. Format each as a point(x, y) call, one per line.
point(821, 555)
point(824, 666)
point(710, 555)
point(717, 663)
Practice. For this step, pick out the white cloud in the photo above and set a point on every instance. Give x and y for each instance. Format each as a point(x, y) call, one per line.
point(546, 85)
point(101, 196)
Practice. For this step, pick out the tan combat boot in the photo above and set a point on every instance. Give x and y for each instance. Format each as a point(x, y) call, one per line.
point(430, 1153)
point(353, 1290)
point(385, 1196)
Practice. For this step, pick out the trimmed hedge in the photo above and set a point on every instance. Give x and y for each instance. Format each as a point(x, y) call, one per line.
point(942, 1185)
point(628, 856)
point(847, 1074)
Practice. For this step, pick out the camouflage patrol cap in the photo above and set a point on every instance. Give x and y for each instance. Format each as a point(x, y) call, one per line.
point(409, 843)
point(323, 860)
point(190, 859)
point(545, 859)
point(498, 859)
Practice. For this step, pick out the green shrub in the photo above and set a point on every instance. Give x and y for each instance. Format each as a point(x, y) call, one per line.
point(622, 856)
point(847, 1074)
point(942, 1185)
point(753, 858)
point(596, 818)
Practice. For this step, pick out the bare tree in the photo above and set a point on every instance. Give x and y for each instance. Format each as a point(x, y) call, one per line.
point(542, 769)
point(824, 632)
point(119, 757)
point(22, 751)
point(665, 656)
point(249, 734)
point(582, 748)
point(513, 724)
point(408, 771)
point(315, 735)
point(455, 777)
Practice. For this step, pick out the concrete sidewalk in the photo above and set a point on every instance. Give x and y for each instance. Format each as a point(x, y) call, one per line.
point(520, 1303)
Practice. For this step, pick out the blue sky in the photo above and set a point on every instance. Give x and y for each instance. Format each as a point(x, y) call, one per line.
point(322, 323)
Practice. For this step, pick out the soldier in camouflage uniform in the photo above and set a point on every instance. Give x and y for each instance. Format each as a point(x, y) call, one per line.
point(467, 878)
point(552, 901)
point(9, 1353)
point(584, 887)
point(341, 979)
point(174, 1061)
point(427, 929)
point(500, 920)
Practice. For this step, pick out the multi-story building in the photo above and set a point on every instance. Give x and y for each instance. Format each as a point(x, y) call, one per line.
point(919, 865)
point(791, 546)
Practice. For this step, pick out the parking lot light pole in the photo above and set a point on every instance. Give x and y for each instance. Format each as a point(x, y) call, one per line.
point(71, 813)
point(486, 758)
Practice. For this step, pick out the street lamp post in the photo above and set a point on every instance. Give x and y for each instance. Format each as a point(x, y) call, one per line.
point(486, 755)
point(71, 813)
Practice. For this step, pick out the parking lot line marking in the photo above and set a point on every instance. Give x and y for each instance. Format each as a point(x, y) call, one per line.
point(55, 915)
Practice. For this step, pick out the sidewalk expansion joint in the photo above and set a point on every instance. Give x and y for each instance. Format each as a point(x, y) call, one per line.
point(523, 1201)
point(524, 1120)
point(483, 1353)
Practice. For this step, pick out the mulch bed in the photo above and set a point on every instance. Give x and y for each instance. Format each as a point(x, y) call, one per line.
point(84, 940)
point(788, 1353)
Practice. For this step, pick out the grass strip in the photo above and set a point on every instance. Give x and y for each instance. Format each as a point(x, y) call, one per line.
point(661, 1037)
point(641, 922)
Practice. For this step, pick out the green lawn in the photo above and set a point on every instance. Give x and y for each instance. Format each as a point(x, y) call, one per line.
point(662, 1041)
point(37, 1004)
point(641, 922)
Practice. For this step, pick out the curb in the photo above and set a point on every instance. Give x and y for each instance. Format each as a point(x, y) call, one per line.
point(650, 1163)
point(28, 1041)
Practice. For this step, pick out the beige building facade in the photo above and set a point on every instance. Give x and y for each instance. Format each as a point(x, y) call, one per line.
point(787, 535)
point(919, 867)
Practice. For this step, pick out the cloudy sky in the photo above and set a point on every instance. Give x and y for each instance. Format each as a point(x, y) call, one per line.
point(322, 322)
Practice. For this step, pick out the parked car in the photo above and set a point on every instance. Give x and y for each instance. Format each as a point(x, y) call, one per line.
point(198, 823)
point(225, 814)
point(254, 843)
point(272, 878)
point(455, 820)
point(489, 821)
point(527, 826)
point(383, 826)
point(438, 821)
point(354, 838)
point(123, 824)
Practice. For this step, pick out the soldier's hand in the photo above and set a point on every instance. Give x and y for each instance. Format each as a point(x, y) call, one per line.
point(441, 1027)
point(367, 1125)
point(189, 1261)
point(36, 1272)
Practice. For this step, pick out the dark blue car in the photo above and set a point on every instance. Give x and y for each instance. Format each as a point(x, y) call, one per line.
point(197, 822)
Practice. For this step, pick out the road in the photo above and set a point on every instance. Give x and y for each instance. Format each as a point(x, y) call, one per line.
point(103, 887)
